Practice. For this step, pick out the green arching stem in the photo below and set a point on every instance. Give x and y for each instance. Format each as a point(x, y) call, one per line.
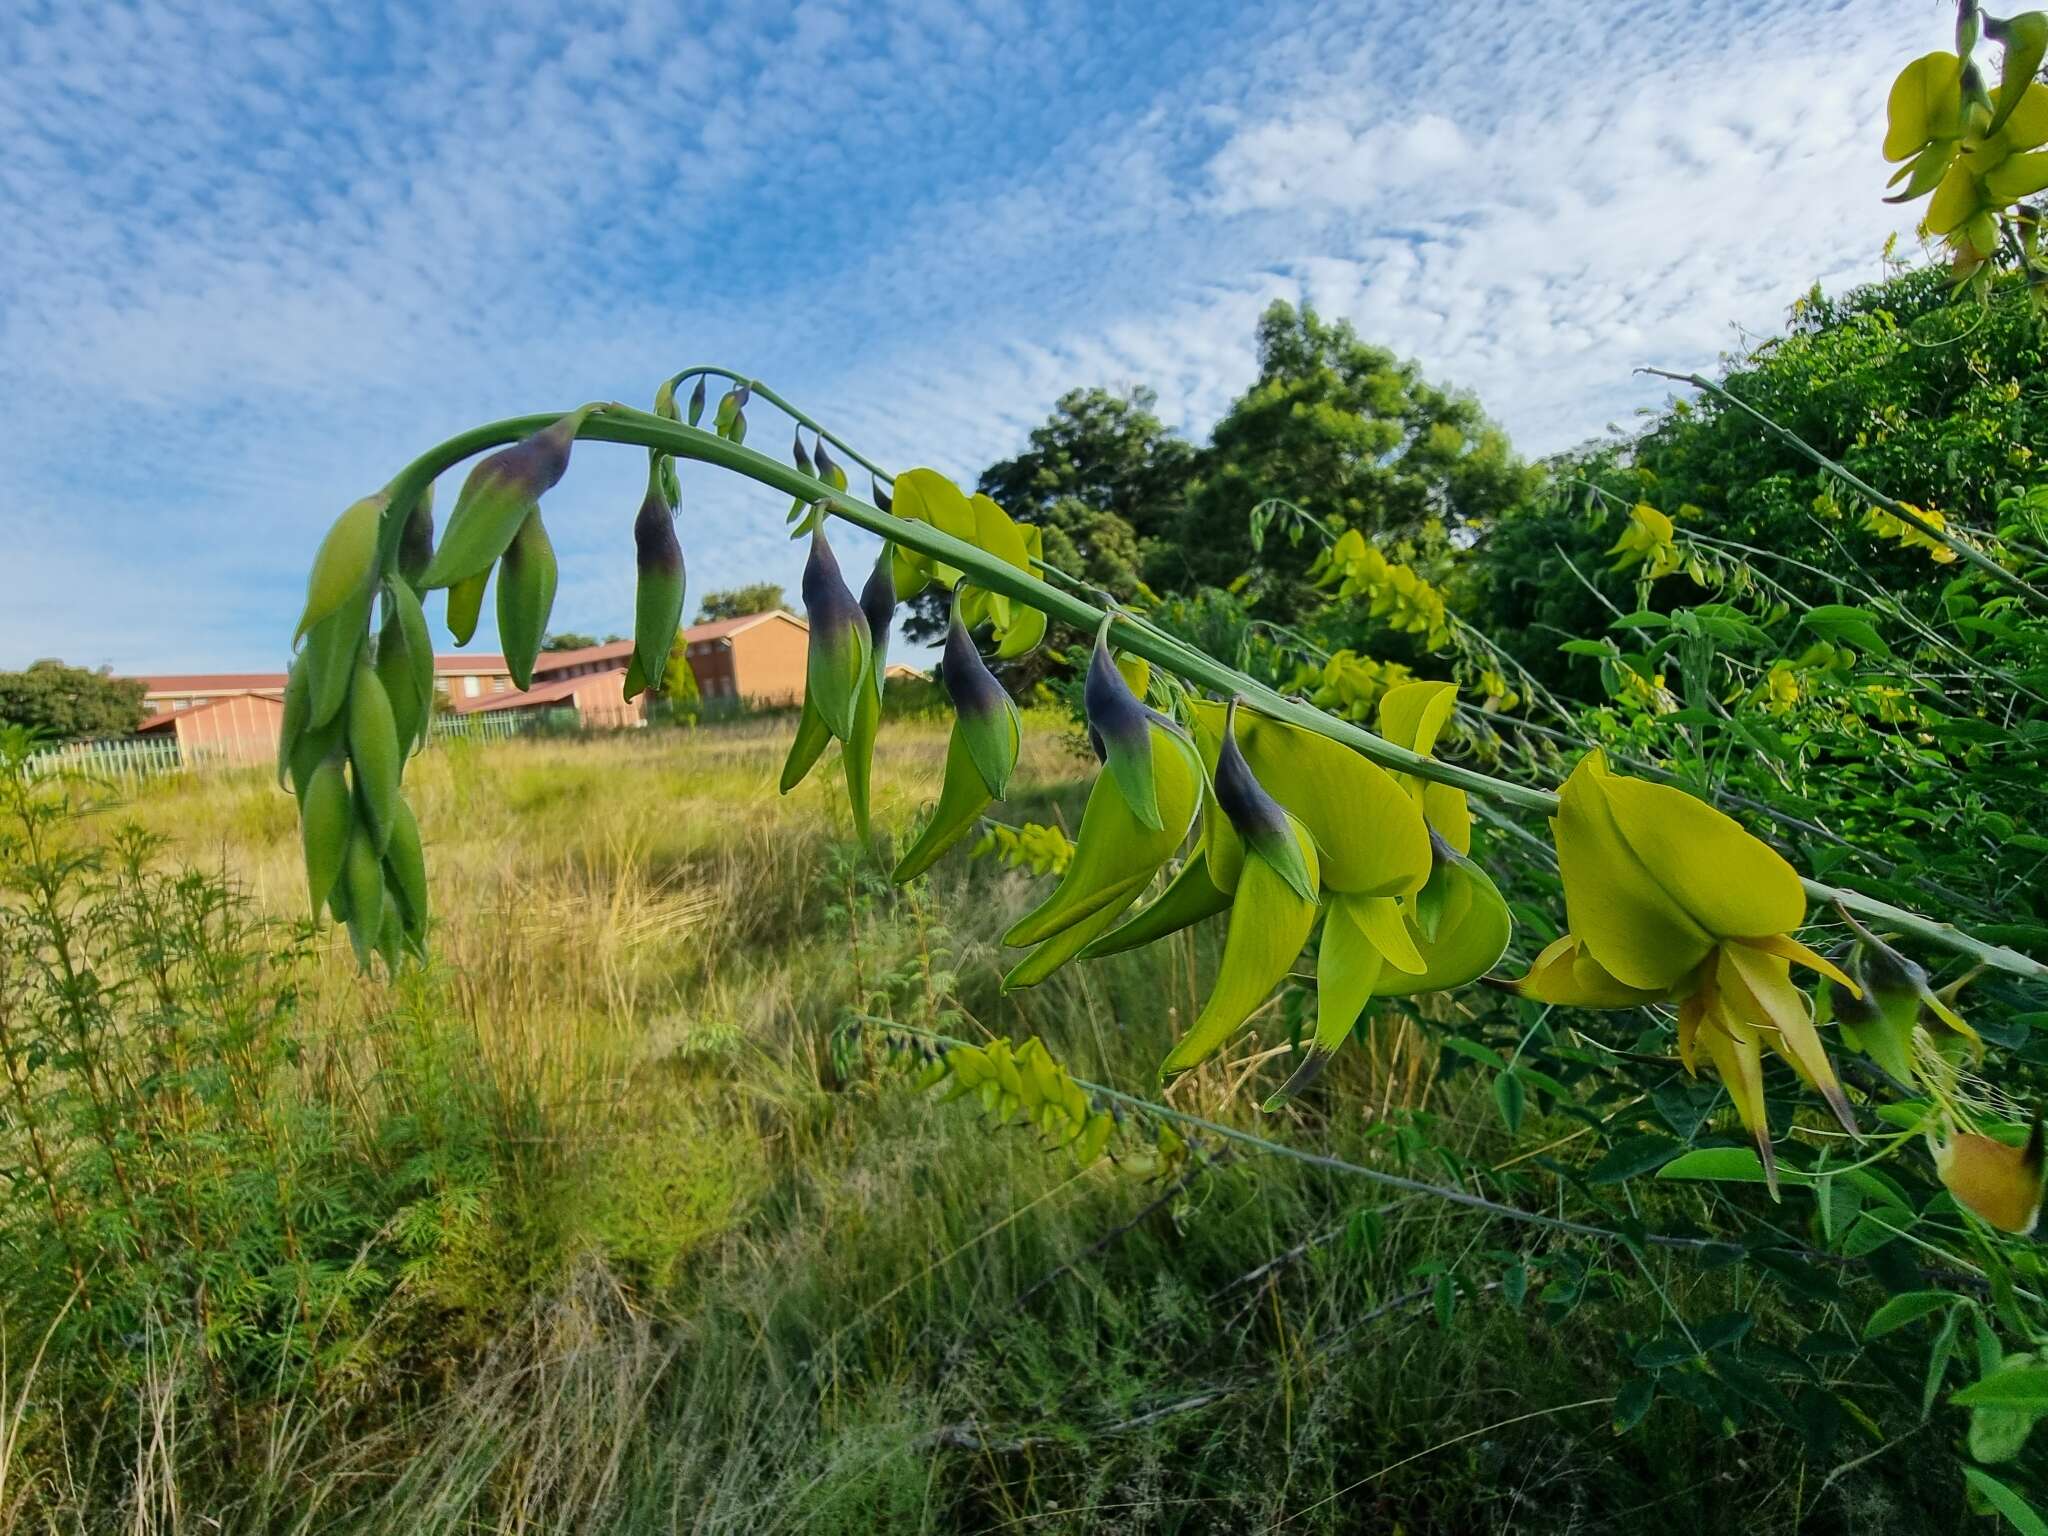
point(755, 386)
point(1445, 1192)
point(1861, 487)
point(642, 429)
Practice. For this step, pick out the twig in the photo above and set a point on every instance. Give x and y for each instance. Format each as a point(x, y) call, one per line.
point(1862, 487)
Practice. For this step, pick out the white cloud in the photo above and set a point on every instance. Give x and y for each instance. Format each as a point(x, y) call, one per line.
point(290, 255)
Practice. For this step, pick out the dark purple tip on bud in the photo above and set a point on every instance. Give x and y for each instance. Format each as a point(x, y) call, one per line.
point(803, 460)
point(654, 537)
point(878, 603)
point(741, 394)
point(973, 689)
point(536, 464)
point(1255, 814)
point(416, 540)
point(828, 601)
point(826, 464)
point(880, 497)
point(1114, 713)
point(697, 402)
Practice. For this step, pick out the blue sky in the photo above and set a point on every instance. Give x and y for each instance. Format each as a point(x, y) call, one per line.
point(251, 262)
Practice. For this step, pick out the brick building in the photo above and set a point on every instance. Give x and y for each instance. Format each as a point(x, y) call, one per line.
point(235, 716)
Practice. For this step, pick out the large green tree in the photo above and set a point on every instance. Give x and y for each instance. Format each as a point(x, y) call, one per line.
point(73, 703)
point(738, 602)
point(1104, 477)
point(1349, 432)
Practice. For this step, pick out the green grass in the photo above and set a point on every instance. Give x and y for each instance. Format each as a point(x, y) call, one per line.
point(630, 1234)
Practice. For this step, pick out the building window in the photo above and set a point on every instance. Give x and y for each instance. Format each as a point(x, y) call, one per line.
point(472, 686)
point(498, 684)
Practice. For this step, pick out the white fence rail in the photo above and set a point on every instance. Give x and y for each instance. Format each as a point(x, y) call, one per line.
point(134, 760)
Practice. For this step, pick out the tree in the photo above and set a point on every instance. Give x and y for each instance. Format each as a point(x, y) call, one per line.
point(738, 602)
point(1104, 477)
point(679, 694)
point(1351, 433)
point(73, 703)
point(568, 640)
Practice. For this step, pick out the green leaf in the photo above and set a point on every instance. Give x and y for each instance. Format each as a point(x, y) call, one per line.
point(2011, 1386)
point(1485, 1055)
point(1938, 1357)
point(1509, 1098)
point(1850, 625)
point(1632, 1402)
point(1637, 1155)
point(2019, 1514)
point(1726, 1165)
point(1445, 1300)
point(1901, 1310)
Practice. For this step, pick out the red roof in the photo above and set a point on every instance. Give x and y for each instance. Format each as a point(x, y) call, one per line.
point(202, 682)
point(564, 689)
point(482, 661)
point(166, 717)
point(720, 629)
point(556, 661)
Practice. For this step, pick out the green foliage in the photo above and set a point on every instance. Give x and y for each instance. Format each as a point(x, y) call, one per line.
point(1351, 431)
point(738, 602)
point(70, 703)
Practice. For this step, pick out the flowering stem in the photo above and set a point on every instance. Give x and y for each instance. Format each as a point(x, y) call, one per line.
point(642, 429)
point(755, 386)
point(1443, 1192)
point(1862, 487)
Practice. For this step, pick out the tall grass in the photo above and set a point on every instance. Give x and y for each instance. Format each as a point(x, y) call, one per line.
point(624, 1229)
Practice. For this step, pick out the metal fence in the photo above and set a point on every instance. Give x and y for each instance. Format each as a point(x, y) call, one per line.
point(128, 761)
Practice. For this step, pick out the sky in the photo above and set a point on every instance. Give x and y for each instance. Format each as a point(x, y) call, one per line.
point(254, 257)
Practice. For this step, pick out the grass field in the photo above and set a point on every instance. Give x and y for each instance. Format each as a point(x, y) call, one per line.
point(606, 1221)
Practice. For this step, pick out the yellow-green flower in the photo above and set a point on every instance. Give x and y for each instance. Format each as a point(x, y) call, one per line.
point(1648, 541)
point(2002, 1184)
point(1669, 900)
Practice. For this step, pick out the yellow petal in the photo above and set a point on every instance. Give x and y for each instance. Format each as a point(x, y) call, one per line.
point(1444, 808)
point(2001, 1184)
point(1788, 948)
point(1379, 919)
point(1471, 936)
point(1958, 197)
point(1760, 985)
point(1564, 975)
point(1620, 911)
point(1414, 715)
point(1737, 1059)
point(1729, 883)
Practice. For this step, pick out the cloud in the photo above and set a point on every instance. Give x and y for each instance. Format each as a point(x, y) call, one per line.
point(257, 257)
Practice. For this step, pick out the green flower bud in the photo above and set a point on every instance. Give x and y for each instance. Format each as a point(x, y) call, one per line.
point(526, 595)
point(405, 867)
point(837, 666)
point(658, 598)
point(362, 887)
point(796, 449)
point(697, 402)
point(1120, 730)
point(405, 663)
point(298, 704)
point(828, 468)
point(878, 606)
point(416, 540)
point(374, 754)
point(332, 648)
point(1256, 816)
point(342, 566)
point(466, 605)
point(499, 496)
point(324, 821)
point(988, 719)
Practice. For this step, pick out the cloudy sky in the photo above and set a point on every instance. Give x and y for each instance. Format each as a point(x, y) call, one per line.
point(250, 263)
